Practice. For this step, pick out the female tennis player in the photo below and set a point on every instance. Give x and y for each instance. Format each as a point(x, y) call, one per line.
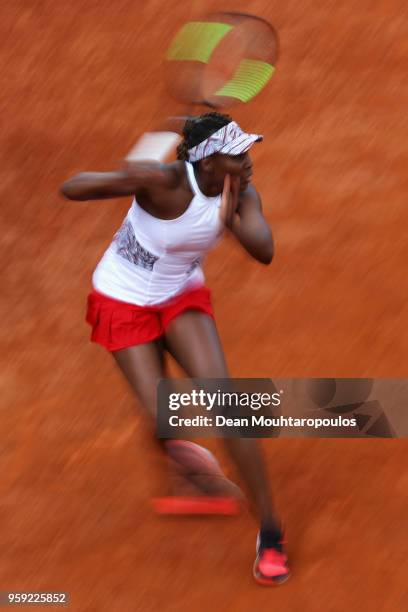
point(148, 292)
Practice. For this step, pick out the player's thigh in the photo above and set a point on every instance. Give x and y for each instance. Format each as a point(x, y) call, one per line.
point(143, 366)
point(193, 341)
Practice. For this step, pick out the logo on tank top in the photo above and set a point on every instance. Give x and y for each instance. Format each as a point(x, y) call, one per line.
point(129, 248)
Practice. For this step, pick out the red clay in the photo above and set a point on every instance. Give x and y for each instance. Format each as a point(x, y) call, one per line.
point(196, 505)
point(80, 82)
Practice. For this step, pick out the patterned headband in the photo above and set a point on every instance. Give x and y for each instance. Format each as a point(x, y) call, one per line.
point(229, 140)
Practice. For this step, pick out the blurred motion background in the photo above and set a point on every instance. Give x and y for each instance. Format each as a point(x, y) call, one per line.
point(81, 81)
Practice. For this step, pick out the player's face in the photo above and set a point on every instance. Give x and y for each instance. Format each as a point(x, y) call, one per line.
point(235, 165)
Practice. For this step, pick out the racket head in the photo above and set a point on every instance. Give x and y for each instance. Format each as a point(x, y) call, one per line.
point(222, 60)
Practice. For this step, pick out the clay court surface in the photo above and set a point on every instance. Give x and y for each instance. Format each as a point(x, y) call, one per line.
point(81, 81)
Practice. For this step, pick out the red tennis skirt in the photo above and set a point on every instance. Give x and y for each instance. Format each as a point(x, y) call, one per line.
point(117, 325)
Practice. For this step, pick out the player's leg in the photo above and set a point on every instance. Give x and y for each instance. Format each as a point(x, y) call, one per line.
point(193, 341)
point(143, 366)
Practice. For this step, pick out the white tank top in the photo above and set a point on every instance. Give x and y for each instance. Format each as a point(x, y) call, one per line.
point(151, 260)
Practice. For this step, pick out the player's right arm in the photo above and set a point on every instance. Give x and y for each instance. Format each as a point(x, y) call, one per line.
point(125, 182)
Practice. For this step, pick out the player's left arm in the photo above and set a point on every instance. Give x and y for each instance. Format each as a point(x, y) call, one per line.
point(250, 227)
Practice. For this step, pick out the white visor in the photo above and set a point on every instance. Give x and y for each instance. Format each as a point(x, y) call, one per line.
point(229, 140)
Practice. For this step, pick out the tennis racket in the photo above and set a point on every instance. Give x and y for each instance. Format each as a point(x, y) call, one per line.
point(217, 62)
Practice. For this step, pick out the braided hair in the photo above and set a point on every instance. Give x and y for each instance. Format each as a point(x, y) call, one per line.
point(197, 129)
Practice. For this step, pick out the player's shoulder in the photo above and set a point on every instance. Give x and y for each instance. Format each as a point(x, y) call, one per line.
point(175, 172)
